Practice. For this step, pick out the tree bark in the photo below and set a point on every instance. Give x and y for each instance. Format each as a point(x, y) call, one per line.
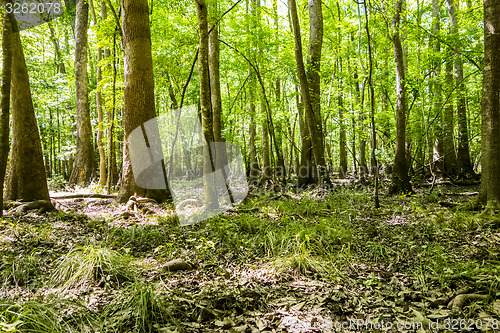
point(400, 178)
point(99, 101)
point(465, 169)
point(26, 178)
point(449, 153)
point(112, 168)
point(5, 101)
point(215, 94)
point(83, 167)
point(342, 126)
point(211, 199)
point(310, 88)
point(435, 88)
point(490, 139)
point(138, 99)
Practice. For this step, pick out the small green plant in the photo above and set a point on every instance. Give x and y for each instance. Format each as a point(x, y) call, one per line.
point(20, 270)
point(137, 309)
point(91, 264)
point(31, 317)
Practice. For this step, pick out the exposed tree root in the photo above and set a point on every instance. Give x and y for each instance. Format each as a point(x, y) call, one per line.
point(41, 205)
point(461, 300)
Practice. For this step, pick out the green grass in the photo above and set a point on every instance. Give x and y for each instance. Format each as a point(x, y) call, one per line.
point(91, 264)
point(20, 270)
point(34, 316)
point(136, 310)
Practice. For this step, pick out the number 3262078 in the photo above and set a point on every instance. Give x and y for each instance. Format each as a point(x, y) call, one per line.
point(34, 8)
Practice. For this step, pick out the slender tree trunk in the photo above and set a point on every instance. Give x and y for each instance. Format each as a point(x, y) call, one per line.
point(435, 147)
point(215, 94)
point(463, 154)
point(5, 100)
point(139, 99)
point(112, 169)
point(57, 51)
point(83, 167)
point(280, 163)
point(342, 136)
point(26, 178)
point(400, 179)
point(490, 139)
point(266, 159)
point(374, 162)
point(211, 200)
point(449, 153)
point(99, 102)
point(252, 87)
point(312, 118)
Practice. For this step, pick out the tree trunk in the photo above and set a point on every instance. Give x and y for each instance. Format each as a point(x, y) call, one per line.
point(138, 98)
point(374, 162)
point(310, 88)
point(83, 167)
point(465, 169)
point(362, 142)
point(449, 153)
point(490, 139)
point(400, 178)
point(26, 178)
point(266, 159)
point(5, 101)
point(435, 146)
point(112, 169)
point(252, 87)
point(57, 51)
point(342, 136)
point(100, 55)
point(211, 199)
point(215, 94)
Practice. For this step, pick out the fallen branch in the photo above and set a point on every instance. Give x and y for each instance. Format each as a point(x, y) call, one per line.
point(85, 196)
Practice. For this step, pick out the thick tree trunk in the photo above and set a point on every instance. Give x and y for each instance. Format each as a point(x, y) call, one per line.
point(5, 101)
point(311, 87)
point(490, 140)
point(211, 199)
point(26, 179)
point(139, 99)
point(83, 167)
point(400, 178)
point(465, 169)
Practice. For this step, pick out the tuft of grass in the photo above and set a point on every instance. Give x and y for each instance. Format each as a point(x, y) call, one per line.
point(90, 264)
point(20, 270)
point(31, 316)
point(137, 309)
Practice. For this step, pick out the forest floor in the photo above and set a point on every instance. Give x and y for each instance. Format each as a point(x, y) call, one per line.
point(292, 262)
